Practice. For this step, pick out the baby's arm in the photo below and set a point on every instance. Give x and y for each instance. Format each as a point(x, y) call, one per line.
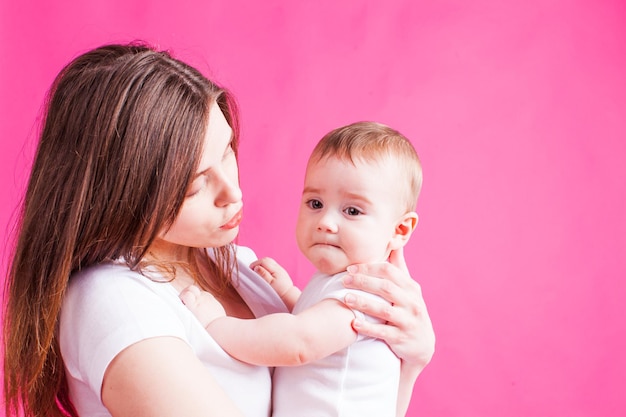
point(280, 339)
point(285, 339)
point(279, 279)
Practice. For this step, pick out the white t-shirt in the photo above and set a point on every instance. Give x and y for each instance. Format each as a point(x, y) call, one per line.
point(360, 380)
point(109, 307)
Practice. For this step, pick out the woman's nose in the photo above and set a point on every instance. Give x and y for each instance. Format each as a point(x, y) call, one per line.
point(229, 191)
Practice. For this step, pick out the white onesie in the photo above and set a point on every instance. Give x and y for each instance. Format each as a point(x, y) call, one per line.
point(360, 380)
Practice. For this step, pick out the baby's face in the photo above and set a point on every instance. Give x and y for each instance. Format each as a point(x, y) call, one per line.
point(349, 212)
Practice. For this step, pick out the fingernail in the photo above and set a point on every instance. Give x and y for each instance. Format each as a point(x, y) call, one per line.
point(352, 269)
point(356, 324)
point(350, 299)
point(348, 279)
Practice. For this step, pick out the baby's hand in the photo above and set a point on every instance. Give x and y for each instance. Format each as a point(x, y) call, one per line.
point(273, 274)
point(202, 304)
point(278, 278)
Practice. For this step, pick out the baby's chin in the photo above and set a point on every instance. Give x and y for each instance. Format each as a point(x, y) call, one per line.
point(330, 268)
point(326, 266)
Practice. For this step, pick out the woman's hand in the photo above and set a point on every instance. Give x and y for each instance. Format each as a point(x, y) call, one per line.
point(408, 329)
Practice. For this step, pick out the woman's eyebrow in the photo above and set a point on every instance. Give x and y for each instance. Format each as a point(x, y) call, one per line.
point(198, 174)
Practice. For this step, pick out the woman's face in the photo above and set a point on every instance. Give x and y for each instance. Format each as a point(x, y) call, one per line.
point(212, 210)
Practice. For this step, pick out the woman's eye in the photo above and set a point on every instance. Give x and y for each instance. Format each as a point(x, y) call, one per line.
point(192, 191)
point(229, 151)
point(197, 186)
point(351, 211)
point(314, 204)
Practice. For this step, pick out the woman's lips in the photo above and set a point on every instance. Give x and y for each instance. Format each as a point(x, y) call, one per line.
point(234, 221)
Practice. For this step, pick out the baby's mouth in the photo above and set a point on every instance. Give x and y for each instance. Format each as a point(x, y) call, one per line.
point(326, 244)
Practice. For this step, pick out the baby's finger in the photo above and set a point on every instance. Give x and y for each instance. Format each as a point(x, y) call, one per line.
point(265, 262)
point(268, 268)
point(189, 295)
point(264, 273)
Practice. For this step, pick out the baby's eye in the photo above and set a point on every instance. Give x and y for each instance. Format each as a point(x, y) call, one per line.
point(351, 211)
point(314, 204)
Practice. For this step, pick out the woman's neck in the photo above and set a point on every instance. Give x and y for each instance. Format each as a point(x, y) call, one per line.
point(174, 261)
point(188, 266)
point(169, 252)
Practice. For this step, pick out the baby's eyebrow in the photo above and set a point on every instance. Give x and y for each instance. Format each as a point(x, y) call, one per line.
point(358, 197)
point(310, 190)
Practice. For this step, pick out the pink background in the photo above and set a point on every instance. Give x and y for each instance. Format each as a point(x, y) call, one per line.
point(518, 110)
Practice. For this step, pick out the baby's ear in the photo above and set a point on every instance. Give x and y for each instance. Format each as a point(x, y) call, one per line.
point(403, 231)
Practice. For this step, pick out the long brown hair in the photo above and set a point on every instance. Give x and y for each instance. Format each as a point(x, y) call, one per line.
point(121, 140)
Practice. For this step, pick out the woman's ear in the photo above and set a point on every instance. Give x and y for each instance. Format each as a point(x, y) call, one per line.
point(404, 229)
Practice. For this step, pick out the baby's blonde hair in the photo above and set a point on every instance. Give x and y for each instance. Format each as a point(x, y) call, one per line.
point(374, 142)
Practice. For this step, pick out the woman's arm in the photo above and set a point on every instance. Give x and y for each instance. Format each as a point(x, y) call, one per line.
point(408, 329)
point(161, 377)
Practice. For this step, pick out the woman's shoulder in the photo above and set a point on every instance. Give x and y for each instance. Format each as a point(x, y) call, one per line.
point(112, 288)
point(109, 307)
point(105, 269)
point(102, 278)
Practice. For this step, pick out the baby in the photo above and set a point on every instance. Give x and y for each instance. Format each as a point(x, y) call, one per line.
point(358, 205)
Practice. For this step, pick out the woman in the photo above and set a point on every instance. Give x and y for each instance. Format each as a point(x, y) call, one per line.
point(134, 177)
